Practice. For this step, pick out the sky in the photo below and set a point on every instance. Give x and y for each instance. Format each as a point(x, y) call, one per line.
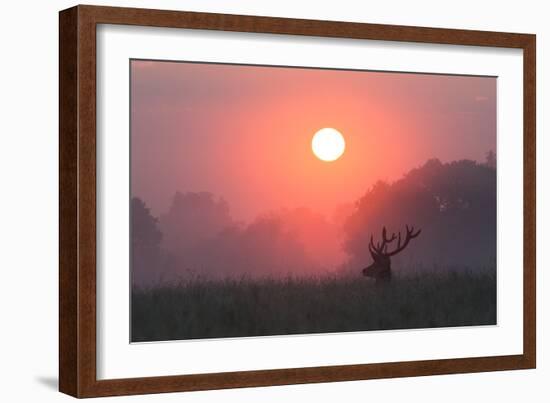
point(244, 132)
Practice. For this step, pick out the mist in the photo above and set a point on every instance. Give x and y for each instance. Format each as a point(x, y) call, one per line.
point(454, 204)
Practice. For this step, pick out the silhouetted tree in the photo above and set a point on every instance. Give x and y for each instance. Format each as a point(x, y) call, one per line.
point(454, 204)
point(268, 246)
point(191, 219)
point(265, 247)
point(491, 159)
point(146, 238)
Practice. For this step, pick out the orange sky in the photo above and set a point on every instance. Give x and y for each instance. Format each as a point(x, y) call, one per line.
point(244, 132)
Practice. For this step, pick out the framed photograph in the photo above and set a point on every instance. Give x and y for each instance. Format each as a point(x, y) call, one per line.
point(254, 201)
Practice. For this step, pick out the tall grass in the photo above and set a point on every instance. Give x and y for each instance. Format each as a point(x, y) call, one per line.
point(208, 308)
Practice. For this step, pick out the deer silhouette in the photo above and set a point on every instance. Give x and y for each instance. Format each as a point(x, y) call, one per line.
point(380, 269)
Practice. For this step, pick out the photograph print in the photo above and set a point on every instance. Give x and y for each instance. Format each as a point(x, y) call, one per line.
point(272, 200)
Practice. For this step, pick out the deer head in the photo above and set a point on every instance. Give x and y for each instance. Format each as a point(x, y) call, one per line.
point(380, 269)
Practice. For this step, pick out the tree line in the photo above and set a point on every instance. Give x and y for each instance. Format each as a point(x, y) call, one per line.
point(454, 203)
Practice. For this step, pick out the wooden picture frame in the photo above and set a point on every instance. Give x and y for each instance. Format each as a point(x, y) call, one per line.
point(77, 180)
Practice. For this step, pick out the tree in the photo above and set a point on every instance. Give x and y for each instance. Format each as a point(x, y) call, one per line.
point(192, 218)
point(491, 159)
point(453, 203)
point(146, 238)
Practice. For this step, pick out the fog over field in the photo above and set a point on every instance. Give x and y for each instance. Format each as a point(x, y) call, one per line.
point(454, 204)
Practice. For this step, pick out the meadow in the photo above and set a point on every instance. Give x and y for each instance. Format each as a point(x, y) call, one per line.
point(199, 308)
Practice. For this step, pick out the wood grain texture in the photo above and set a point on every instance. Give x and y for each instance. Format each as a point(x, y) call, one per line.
point(529, 202)
point(68, 279)
point(77, 209)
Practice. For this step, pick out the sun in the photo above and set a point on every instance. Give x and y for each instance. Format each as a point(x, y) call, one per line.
point(328, 144)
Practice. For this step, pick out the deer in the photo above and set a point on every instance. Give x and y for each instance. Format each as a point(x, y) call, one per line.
point(380, 269)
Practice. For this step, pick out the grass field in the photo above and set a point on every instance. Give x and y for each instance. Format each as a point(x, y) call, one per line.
point(202, 308)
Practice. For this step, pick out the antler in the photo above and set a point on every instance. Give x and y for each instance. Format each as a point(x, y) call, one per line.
point(410, 235)
point(382, 248)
